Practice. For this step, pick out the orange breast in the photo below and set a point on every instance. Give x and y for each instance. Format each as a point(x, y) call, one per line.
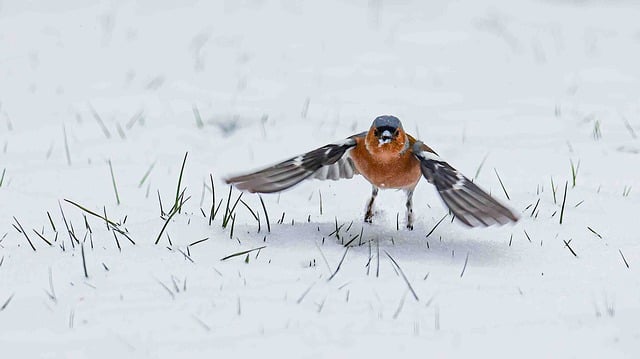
point(386, 169)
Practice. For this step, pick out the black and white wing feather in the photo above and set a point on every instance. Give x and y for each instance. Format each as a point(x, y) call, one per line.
point(468, 202)
point(330, 162)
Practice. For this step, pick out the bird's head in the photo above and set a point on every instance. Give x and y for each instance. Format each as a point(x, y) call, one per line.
point(386, 134)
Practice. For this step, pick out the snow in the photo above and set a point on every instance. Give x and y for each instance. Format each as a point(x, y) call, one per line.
point(527, 88)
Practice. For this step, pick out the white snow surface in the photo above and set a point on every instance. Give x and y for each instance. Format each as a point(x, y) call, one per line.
point(524, 88)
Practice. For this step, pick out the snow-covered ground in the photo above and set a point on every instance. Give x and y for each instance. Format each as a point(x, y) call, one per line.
point(526, 90)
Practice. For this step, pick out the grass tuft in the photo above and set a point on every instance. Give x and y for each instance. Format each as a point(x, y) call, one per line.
point(51, 293)
point(98, 119)
point(502, 184)
point(120, 131)
point(84, 261)
point(66, 145)
point(574, 172)
point(214, 211)
point(104, 218)
point(6, 303)
point(42, 237)
point(564, 200)
point(535, 207)
point(436, 226)
point(230, 211)
point(177, 205)
point(406, 280)
point(242, 253)
point(623, 258)
point(115, 236)
point(629, 128)
point(166, 223)
point(566, 243)
point(466, 260)
point(400, 306)
point(173, 296)
point(198, 241)
point(264, 208)
point(594, 232)
point(475, 176)
point(196, 114)
point(597, 130)
point(113, 180)
point(304, 294)
point(137, 117)
point(253, 213)
point(146, 175)
point(21, 230)
point(339, 264)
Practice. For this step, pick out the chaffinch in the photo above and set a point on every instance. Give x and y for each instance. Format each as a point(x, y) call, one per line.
point(388, 158)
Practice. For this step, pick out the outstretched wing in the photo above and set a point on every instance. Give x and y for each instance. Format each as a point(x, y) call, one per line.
point(332, 162)
point(468, 202)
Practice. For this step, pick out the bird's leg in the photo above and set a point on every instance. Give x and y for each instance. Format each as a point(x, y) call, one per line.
point(369, 214)
point(409, 205)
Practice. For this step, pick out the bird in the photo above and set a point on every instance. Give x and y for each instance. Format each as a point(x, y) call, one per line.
point(388, 158)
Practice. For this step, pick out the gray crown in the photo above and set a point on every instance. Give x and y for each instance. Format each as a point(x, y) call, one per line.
point(387, 121)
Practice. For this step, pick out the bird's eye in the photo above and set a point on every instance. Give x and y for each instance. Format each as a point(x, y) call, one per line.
point(397, 132)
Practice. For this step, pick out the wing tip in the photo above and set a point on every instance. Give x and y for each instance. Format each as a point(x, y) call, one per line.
point(488, 214)
point(238, 183)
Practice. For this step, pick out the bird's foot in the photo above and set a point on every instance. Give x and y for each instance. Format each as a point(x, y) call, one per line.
point(368, 218)
point(410, 226)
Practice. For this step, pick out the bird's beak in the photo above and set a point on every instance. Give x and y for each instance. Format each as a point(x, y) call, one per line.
point(385, 137)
